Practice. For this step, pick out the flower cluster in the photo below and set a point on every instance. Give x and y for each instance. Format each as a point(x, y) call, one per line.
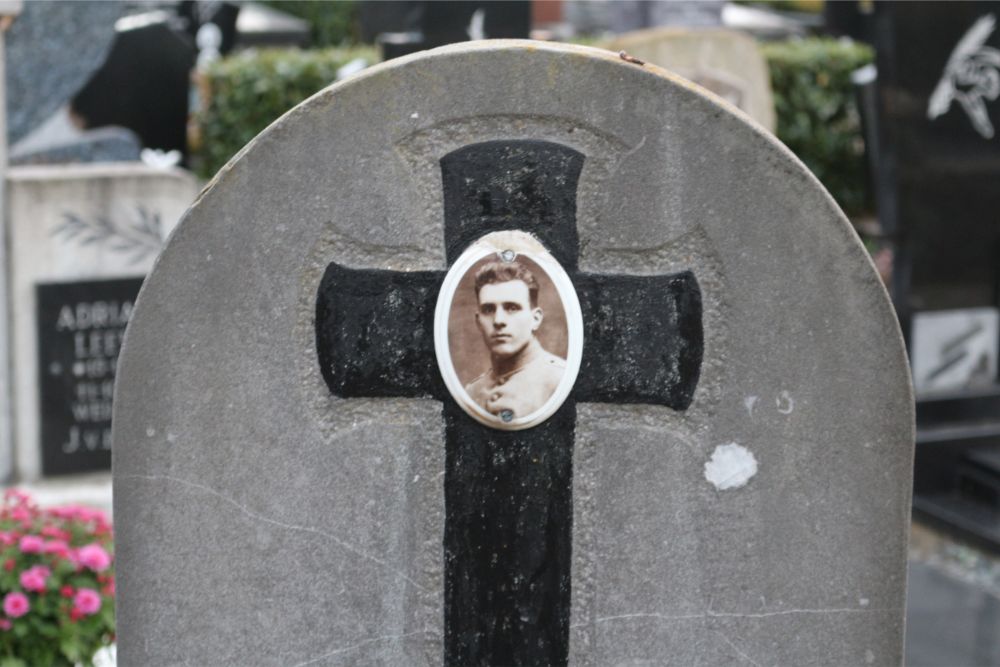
point(57, 583)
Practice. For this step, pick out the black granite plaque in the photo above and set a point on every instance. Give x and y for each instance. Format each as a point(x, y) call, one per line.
point(939, 83)
point(80, 330)
point(938, 176)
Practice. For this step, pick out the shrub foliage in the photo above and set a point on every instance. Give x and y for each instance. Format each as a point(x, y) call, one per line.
point(248, 91)
point(57, 583)
point(817, 111)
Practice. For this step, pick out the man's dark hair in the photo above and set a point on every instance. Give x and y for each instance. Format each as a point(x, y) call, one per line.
point(501, 272)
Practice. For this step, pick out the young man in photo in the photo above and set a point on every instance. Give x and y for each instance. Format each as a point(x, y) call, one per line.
point(522, 374)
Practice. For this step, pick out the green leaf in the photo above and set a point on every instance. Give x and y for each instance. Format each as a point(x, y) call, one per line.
point(71, 649)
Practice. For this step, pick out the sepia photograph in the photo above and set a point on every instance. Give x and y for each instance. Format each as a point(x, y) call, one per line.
point(508, 338)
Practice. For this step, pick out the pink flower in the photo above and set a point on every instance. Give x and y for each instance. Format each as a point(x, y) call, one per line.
point(16, 604)
point(17, 495)
point(87, 601)
point(55, 533)
point(57, 547)
point(7, 539)
point(4, 624)
point(33, 579)
point(79, 513)
point(32, 544)
point(94, 557)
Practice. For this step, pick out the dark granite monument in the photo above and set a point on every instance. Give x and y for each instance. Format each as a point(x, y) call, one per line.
point(402, 27)
point(939, 83)
point(80, 328)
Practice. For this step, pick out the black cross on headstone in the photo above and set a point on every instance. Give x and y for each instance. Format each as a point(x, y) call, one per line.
point(508, 494)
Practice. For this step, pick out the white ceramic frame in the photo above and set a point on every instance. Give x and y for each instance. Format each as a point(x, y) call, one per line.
point(520, 243)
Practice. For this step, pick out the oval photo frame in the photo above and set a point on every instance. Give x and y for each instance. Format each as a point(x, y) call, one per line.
point(509, 351)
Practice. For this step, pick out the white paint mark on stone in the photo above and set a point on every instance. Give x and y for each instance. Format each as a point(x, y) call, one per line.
point(749, 402)
point(785, 403)
point(171, 437)
point(730, 467)
point(864, 602)
point(416, 478)
point(414, 115)
point(150, 431)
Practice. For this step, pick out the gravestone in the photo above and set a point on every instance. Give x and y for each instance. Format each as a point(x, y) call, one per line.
point(405, 27)
point(80, 240)
point(938, 110)
point(8, 12)
point(144, 83)
point(727, 62)
point(305, 472)
point(106, 144)
point(52, 49)
point(631, 15)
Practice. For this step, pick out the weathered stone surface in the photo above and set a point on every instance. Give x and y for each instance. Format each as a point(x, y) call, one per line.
point(106, 144)
point(52, 49)
point(73, 231)
point(727, 62)
point(262, 520)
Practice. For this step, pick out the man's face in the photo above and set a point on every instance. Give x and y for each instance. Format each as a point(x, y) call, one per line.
point(506, 318)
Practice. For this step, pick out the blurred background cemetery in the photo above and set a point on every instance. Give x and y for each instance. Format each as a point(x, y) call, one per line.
point(117, 114)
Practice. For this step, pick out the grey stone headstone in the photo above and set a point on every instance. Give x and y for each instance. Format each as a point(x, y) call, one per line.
point(80, 240)
point(262, 520)
point(52, 49)
point(106, 144)
point(727, 62)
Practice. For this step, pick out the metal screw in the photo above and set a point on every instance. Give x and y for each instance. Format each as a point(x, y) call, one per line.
point(507, 415)
point(508, 256)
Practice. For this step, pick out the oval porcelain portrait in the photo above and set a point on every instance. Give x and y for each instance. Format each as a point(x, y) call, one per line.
point(508, 331)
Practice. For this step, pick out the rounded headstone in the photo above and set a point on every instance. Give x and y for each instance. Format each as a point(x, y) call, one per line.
point(268, 513)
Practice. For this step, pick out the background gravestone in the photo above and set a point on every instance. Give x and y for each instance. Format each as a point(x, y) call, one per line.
point(52, 49)
point(78, 240)
point(937, 193)
point(402, 27)
point(760, 517)
point(81, 238)
point(727, 62)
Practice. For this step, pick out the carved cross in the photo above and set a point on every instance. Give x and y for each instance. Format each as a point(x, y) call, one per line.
point(508, 494)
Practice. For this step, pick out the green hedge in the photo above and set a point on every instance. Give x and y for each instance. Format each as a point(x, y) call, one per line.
point(817, 111)
point(245, 93)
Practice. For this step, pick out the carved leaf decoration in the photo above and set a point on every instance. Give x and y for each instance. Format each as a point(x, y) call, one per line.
point(140, 237)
